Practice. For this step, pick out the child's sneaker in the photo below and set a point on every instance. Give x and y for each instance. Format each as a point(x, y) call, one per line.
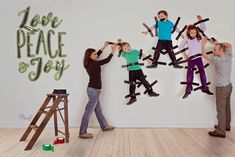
point(208, 92)
point(186, 95)
point(153, 94)
point(132, 100)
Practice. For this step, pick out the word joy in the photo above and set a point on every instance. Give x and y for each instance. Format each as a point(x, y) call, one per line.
point(35, 43)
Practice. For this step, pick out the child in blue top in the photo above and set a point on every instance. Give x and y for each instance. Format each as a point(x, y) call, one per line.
point(164, 28)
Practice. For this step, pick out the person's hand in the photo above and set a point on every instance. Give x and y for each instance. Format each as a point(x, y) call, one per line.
point(182, 36)
point(199, 17)
point(119, 40)
point(150, 62)
point(114, 48)
point(214, 41)
point(145, 32)
point(185, 56)
point(106, 44)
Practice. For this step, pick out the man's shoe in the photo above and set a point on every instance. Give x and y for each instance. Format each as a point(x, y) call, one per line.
point(153, 94)
point(108, 128)
point(86, 135)
point(132, 100)
point(216, 134)
point(208, 92)
point(186, 95)
point(227, 129)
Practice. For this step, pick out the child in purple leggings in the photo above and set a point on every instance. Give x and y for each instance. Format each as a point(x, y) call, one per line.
point(192, 41)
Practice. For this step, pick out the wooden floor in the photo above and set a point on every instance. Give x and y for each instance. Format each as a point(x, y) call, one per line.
point(124, 143)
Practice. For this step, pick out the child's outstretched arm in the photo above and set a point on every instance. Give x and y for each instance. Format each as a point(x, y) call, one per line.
point(151, 28)
point(178, 31)
point(202, 25)
point(149, 61)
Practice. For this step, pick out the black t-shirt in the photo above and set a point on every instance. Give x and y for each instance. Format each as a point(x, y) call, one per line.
point(94, 71)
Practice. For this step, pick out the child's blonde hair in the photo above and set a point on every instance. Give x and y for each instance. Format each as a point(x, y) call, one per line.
point(124, 44)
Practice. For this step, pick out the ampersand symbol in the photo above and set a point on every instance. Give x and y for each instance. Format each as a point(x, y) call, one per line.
point(23, 67)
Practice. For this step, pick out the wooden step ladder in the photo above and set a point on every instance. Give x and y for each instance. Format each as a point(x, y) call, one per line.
point(57, 97)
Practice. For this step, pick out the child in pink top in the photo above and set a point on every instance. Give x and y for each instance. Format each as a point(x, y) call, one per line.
point(193, 42)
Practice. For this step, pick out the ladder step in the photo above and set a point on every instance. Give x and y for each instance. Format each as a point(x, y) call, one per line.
point(51, 95)
point(34, 127)
point(60, 109)
point(45, 112)
point(56, 109)
point(61, 132)
point(54, 95)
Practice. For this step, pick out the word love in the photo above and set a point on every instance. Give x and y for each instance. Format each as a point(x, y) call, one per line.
point(45, 20)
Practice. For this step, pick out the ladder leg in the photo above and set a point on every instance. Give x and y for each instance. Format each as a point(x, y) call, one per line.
point(66, 124)
point(43, 123)
point(34, 139)
point(26, 134)
point(55, 121)
point(35, 119)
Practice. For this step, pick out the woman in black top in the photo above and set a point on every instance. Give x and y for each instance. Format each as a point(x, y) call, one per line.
point(93, 69)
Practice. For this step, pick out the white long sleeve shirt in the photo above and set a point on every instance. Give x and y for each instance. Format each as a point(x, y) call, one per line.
point(194, 45)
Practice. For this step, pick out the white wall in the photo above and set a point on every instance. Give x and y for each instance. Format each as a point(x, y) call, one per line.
point(89, 24)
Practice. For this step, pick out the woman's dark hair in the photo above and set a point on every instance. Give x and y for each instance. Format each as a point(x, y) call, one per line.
point(191, 27)
point(87, 57)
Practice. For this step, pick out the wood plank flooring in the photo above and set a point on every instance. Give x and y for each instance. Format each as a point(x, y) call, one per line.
point(124, 142)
